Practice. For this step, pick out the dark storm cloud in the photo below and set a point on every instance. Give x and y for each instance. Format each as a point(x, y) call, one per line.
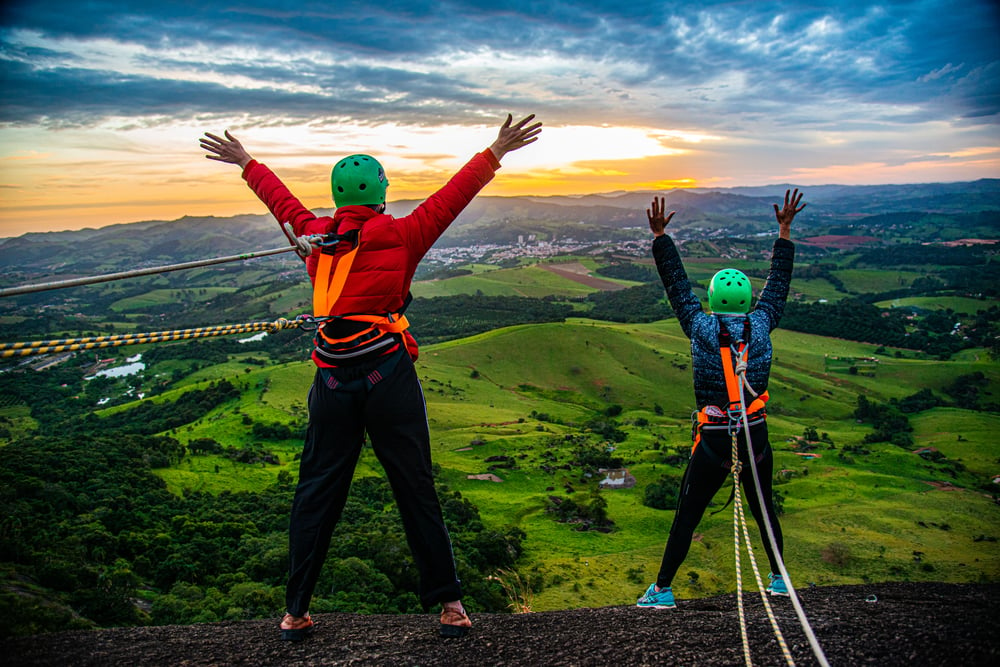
point(711, 60)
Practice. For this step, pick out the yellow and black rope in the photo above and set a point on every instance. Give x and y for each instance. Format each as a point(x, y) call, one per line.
point(27, 349)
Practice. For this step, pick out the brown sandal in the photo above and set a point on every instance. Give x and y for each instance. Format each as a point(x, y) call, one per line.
point(298, 627)
point(454, 622)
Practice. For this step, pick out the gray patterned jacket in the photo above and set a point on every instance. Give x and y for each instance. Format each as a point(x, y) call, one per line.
point(703, 329)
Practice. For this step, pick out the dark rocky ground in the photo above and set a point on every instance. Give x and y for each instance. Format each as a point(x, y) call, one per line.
point(903, 624)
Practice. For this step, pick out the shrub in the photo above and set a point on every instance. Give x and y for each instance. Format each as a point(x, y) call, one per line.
point(662, 494)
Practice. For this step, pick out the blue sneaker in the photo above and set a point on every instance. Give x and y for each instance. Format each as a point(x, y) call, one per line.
point(777, 586)
point(653, 599)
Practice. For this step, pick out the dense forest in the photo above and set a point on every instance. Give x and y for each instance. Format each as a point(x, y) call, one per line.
point(89, 529)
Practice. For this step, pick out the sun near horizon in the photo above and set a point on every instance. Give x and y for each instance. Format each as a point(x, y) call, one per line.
point(92, 179)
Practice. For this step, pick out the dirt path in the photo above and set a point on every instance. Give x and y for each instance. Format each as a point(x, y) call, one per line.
point(879, 624)
point(578, 273)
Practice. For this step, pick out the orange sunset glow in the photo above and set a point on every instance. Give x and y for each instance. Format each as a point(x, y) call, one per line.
point(102, 127)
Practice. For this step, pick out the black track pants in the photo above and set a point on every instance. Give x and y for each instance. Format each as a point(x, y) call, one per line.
point(706, 473)
point(392, 410)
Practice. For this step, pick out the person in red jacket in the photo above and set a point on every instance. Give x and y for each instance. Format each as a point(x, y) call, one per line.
point(365, 380)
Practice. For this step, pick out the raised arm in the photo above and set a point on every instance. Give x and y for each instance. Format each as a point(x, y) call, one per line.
point(775, 293)
point(683, 300)
point(284, 206)
point(788, 213)
point(432, 217)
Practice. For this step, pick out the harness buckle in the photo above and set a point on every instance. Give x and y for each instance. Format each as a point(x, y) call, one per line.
point(327, 243)
point(734, 411)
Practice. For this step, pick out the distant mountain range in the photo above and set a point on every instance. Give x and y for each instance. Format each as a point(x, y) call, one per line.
point(596, 217)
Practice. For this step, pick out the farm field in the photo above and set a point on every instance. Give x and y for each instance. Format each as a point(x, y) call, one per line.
point(955, 303)
point(168, 296)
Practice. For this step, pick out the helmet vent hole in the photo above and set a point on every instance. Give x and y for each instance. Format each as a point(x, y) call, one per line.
point(340, 188)
point(357, 164)
point(362, 186)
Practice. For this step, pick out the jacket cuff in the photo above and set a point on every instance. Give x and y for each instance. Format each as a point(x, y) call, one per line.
point(491, 158)
point(246, 170)
point(663, 244)
point(783, 254)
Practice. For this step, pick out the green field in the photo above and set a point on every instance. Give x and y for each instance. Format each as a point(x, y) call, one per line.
point(159, 297)
point(291, 301)
point(847, 520)
point(873, 281)
point(530, 281)
point(958, 304)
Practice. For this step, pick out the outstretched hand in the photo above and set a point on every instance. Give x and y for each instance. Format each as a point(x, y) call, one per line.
point(225, 150)
point(787, 214)
point(658, 223)
point(513, 136)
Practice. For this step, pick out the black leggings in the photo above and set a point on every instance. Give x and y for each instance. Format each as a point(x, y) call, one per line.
point(706, 473)
point(391, 410)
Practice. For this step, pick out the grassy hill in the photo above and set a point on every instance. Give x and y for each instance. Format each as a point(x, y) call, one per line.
point(858, 513)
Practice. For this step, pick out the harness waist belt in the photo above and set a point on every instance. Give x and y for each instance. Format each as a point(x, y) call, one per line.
point(716, 425)
point(332, 353)
point(713, 418)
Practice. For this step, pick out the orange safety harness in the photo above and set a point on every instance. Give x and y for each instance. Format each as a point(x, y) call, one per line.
point(712, 417)
point(331, 276)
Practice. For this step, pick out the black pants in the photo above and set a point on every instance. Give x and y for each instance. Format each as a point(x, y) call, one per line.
point(393, 412)
point(706, 473)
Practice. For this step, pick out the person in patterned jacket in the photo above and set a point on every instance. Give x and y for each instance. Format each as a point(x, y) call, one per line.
point(365, 380)
point(734, 325)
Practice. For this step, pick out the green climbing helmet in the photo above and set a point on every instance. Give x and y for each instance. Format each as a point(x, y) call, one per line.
point(358, 179)
point(729, 293)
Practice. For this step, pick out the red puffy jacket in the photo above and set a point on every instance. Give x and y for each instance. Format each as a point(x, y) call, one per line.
point(390, 247)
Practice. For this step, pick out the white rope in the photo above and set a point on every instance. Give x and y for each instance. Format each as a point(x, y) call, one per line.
point(737, 517)
point(760, 586)
point(803, 621)
point(739, 521)
point(303, 244)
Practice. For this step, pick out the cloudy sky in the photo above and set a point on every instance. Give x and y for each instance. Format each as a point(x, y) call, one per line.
point(103, 101)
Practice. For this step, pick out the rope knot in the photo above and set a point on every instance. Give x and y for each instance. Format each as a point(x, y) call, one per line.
point(741, 372)
point(303, 247)
point(302, 244)
point(277, 325)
